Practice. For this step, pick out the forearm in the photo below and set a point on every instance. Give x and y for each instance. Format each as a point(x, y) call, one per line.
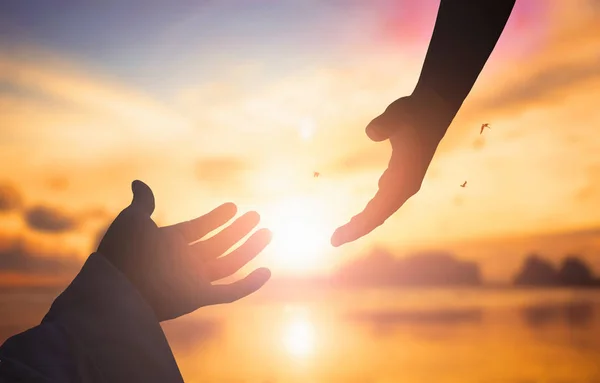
point(464, 36)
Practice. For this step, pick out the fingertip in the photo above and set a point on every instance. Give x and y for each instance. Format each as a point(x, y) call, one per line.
point(252, 217)
point(351, 231)
point(258, 241)
point(336, 238)
point(256, 279)
point(265, 233)
point(263, 274)
point(228, 208)
point(138, 186)
point(143, 196)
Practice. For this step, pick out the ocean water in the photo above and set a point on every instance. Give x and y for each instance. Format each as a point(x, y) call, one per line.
point(418, 335)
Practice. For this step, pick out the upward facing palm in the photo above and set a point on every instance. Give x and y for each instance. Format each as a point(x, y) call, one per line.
point(172, 267)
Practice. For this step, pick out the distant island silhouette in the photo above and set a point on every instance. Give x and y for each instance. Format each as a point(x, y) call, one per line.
point(572, 272)
point(378, 268)
point(381, 268)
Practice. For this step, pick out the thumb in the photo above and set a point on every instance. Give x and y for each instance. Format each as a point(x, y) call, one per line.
point(379, 129)
point(132, 220)
point(143, 198)
point(390, 121)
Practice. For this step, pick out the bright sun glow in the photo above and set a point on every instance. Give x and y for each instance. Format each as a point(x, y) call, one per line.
point(300, 235)
point(299, 336)
point(307, 128)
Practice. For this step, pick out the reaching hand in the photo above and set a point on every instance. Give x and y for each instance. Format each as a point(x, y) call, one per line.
point(170, 268)
point(414, 130)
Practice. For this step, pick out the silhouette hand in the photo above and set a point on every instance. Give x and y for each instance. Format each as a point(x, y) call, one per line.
point(414, 130)
point(171, 270)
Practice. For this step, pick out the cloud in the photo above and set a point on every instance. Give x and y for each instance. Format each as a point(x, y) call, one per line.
point(27, 266)
point(10, 198)
point(57, 183)
point(68, 115)
point(57, 80)
point(567, 60)
point(376, 156)
point(341, 97)
point(95, 214)
point(42, 218)
point(479, 143)
point(567, 65)
point(47, 219)
point(222, 172)
point(589, 192)
point(458, 200)
point(546, 85)
point(562, 66)
point(19, 256)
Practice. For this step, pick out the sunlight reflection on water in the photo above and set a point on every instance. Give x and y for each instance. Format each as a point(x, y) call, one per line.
point(464, 336)
point(299, 332)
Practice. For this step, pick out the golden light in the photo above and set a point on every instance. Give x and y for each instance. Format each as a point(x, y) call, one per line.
point(307, 128)
point(299, 335)
point(300, 233)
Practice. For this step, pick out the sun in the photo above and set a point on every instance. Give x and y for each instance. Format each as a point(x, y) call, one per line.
point(300, 233)
point(307, 128)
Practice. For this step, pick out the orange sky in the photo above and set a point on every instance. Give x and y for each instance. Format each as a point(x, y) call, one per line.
point(75, 134)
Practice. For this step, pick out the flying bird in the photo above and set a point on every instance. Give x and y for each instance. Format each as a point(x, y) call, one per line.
point(463, 184)
point(316, 174)
point(483, 126)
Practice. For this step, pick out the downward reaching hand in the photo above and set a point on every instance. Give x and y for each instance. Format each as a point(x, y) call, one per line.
point(414, 131)
point(171, 268)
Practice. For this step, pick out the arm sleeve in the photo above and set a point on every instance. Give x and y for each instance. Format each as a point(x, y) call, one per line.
point(464, 36)
point(98, 330)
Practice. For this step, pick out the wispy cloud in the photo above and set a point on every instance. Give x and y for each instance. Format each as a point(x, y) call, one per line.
point(18, 255)
point(10, 198)
point(223, 172)
point(47, 219)
point(238, 128)
point(75, 104)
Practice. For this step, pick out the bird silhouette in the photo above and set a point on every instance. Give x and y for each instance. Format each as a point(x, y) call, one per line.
point(483, 126)
point(316, 174)
point(464, 184)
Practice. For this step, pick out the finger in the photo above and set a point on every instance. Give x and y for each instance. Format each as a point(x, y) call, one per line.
point(237, 290)
point(226, 238)
point(197, 228)
point(373, 216)
point(231, 263)
point(386, 202)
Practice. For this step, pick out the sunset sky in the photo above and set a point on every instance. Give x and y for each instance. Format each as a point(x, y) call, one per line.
point(215, 101)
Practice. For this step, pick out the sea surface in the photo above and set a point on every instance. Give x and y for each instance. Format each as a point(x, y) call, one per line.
point(393, 335)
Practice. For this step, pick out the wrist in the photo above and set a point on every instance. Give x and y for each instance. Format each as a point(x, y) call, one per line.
point(431, 112)
point(429, 99)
